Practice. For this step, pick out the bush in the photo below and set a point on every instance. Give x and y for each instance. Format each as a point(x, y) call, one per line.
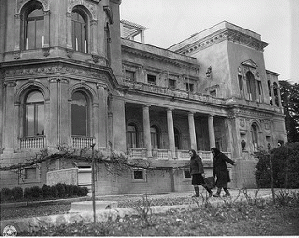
point(17, 193)
point(57, 191)
point(6, 194)
point(46, 191)
point(285, 166)
point(60, 190)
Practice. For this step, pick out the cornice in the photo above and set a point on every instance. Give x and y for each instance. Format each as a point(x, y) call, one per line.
point(148, 55)
point(222, 35)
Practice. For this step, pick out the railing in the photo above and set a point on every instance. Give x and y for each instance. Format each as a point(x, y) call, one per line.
point(32, 142)
point(81, 141)
point(206, 156)
point(137, 152)
point(161, 153)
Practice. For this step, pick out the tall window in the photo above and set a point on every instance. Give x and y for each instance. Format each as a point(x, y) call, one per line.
point(132, 136)
point(251, 88)
point(80, 114)
point(254, 136)
point(33, 27)
point(79, 31)
point(177, 138)
point(34, 114)
point(155, 137)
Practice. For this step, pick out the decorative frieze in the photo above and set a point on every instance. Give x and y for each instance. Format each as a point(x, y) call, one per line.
point(90, 5)
point(227, 34)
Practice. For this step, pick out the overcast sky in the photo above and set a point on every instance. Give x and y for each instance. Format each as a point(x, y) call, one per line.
point(171, 21)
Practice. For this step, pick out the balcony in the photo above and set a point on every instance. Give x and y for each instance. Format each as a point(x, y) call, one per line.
point(35, 142)
point(81, 142)
point(206, 156)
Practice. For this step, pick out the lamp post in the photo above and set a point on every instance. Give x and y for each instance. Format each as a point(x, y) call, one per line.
point(93, 184)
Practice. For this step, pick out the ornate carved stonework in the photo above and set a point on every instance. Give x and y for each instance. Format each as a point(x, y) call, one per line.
point(242, 122)
point(21, 3)
point(89, 5)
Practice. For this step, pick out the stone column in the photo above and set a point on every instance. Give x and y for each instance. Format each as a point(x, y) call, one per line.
point(9, 133)
point(46, 29)
point(192, 132)
point(211, 131)
point(69, 30)
point(54, 124)
point(272, 94)
point(93, 37)
point(17, 34)
point(171, 132)
point(101, 118)
point(279, 97)
point(147, 131)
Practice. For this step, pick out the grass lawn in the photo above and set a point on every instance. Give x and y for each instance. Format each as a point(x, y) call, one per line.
point(251, 217)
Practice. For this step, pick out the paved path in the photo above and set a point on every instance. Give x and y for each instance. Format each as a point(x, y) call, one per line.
point(105, 214)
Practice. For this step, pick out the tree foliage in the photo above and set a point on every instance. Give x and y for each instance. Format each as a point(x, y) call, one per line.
point(285, 167)
point(290, 102)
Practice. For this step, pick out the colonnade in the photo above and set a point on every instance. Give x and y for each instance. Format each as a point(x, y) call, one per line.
point(191, 124)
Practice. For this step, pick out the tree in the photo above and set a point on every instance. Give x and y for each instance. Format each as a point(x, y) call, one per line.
point(290, 102)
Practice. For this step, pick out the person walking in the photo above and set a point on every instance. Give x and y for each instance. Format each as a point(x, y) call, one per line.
point(197, 173)
point(220, 171)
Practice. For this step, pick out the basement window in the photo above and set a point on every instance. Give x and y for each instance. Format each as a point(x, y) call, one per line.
point(139, 175)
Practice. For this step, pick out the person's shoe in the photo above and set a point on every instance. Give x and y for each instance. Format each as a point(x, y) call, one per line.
point(195, 195)
point(216, 195)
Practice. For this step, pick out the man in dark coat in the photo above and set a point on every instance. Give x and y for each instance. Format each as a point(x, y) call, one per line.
point(197, 173)
point(220, 171)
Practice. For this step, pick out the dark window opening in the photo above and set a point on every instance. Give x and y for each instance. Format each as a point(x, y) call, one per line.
point(130, 75)
point(79, 31)
point(138, 174)
point(172, 84)
point(151, 79)
point(190, 87)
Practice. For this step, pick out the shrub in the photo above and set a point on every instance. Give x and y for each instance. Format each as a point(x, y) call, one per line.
point(36, 192)
point(6, 194)
point(54, 192)
point(285, 166)
point(17, 193)
point(46, 191)
point(82, 191)
point(60, 190)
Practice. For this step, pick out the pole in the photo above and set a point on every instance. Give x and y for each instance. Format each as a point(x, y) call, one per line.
point(93, 184)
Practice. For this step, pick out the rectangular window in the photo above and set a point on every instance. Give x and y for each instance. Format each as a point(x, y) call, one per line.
point(151, 79)
point(30, 173)
point(139, 175)
point(130, 75)
point(172, 84)
point(190, 87)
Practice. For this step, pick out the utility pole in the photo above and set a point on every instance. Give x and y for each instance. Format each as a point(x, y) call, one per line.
point(93, 184)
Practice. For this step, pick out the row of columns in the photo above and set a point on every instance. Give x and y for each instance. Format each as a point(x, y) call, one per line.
point(192, 132)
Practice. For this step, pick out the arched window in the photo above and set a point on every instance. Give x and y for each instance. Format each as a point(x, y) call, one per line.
point(132, 136)
point(251, 87)
point(254, 136)
point(33, 26)
point(79, 31)
point(177, 138)
point(155, 137)
point(80, 114)
point(34, 114)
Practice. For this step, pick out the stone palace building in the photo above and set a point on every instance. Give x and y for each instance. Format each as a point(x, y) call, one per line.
point(73, 73)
